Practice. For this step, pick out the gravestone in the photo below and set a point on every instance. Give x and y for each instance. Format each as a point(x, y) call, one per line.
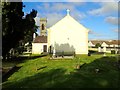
point(104, 50)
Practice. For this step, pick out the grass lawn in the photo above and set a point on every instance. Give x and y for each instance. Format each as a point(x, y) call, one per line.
point(45, 73)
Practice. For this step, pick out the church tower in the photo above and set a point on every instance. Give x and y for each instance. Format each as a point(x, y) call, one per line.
point(43, 24)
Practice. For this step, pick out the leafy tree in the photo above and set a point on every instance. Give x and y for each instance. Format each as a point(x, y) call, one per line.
point(0, 29)
point(98, 45)
point(15, 27)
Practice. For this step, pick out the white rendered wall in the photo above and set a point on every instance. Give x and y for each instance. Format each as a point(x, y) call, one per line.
point(90, 44)
point(104, 45)
point(73, 34)
point(37, 48)
point(69, 32)
point(75, 40)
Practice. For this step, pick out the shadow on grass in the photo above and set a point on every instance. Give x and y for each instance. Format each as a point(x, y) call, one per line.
point(21, 59)
point(5, 76)
point(85, 77)
point(10, 65)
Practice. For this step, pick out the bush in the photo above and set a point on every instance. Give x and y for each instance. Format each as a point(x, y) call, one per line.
point(118, 52)
point(98, 45)
point(91, 51)
point(112, 51)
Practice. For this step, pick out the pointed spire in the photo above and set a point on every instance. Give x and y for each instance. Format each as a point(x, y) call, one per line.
point(68, 11)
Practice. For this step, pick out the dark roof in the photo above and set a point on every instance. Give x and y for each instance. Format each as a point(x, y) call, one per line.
point(96, 41)
point(109, 42)
point(40, 39)
point(115, 42)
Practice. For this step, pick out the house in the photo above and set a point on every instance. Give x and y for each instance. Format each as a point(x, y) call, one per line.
point(114, 43)
point(108, 45)
point(67, 35)
point(111, 43)
point(92, 43)
point(105, 44)
point(39, 44)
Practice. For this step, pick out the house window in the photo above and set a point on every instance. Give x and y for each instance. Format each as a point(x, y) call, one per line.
point(43, 27)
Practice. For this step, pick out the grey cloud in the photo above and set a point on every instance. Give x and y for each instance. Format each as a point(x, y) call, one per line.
point(112, 20)
point(116, 30)
point(107, 8)
point(53, 11)
point(94, 33)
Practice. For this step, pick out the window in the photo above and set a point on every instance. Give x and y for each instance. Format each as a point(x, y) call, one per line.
point(43, 27)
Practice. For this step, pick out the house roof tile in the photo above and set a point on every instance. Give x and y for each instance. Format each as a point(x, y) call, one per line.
point(40, 39)
point(111, 42)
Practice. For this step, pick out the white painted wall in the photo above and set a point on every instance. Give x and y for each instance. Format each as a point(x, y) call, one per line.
point(116, 45)
point(104, 44)
point(112, 45)
point(69, 31)
point(37, 48)
point(90, 44)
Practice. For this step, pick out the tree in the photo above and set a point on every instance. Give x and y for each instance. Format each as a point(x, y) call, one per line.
point(98, 45)
point(15, 28)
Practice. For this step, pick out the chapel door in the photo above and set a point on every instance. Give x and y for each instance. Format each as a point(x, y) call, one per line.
point(44, 48)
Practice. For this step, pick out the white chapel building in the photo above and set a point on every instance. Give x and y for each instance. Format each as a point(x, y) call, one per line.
point(67, 35)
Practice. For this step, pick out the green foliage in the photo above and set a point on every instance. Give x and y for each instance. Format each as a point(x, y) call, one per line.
point(98, 45)
point(112, 51)
point(15, 27)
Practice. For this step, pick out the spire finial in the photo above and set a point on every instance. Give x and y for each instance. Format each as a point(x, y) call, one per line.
point(68, 11)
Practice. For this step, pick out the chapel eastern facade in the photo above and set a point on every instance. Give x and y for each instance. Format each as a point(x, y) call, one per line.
point(67, 35)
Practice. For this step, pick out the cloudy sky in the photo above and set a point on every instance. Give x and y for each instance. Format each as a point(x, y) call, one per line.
point(101, 18)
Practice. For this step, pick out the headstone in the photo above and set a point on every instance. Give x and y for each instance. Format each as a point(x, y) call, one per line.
point(1, 57)
point(97, 70)
point(54, 52)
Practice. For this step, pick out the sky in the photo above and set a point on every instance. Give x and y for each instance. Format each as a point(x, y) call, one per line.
point(101, 18)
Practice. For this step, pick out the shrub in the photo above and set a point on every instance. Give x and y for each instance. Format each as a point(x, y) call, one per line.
point(118, 52)
point(98, 45)
point(112, 51)
point(92, 51)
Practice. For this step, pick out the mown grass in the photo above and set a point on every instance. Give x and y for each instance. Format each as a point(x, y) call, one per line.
point(46, 73)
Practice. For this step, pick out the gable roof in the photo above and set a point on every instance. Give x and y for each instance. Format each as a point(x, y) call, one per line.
point(40, 39)
point(112, 42)
point(94, 42)
point(68, 22)
point(107, 42)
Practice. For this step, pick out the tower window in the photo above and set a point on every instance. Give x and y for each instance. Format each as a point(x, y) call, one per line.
point(43, 27)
